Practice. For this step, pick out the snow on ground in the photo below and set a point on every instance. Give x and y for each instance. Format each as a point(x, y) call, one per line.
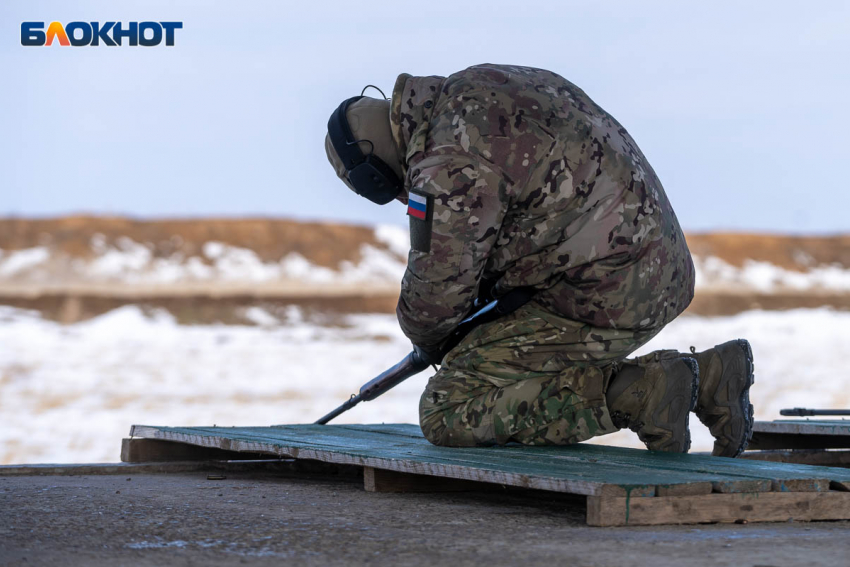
point(70, 393)
point(131, 262)
point(126, 261)
point(764, 277)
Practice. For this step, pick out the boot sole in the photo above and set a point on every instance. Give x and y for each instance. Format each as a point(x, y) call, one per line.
point(746, 406)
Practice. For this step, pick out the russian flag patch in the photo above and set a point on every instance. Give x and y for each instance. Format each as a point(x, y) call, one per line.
point(417, 205)
point(419, 210)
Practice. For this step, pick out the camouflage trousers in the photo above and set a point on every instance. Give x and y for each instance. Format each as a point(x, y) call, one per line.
point(531, 377)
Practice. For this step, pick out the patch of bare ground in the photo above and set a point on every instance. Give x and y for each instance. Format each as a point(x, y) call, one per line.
point(786, 251)
point(259, 519)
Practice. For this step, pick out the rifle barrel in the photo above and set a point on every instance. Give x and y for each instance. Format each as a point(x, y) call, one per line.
point(349, 403)
point(801, 412)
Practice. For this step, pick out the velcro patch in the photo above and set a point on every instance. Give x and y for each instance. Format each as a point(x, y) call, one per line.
point(420, 210)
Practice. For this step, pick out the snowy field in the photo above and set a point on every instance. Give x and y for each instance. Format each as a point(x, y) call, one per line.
point(69, 393)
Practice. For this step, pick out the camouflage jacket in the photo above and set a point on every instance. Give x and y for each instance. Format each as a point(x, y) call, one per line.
point(530, 183)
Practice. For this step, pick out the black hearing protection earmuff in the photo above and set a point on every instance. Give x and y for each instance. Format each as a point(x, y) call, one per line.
point(367, 173)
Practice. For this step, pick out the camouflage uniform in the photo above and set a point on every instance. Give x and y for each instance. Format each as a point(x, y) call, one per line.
point(530, 183)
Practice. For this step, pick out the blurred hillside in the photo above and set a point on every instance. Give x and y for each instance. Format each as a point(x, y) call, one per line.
point(207, 270)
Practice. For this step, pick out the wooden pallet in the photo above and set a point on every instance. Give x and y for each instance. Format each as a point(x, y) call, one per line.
point(801, 434)
point(622, 486)
point(802, 441)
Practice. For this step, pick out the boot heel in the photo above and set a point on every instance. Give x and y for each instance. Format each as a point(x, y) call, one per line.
point(694, 366)
point(746, 406)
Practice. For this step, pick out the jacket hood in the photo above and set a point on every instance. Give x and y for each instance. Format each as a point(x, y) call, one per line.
point(411, 107)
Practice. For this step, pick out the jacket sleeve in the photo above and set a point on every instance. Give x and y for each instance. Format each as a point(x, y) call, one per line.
point(469, 199)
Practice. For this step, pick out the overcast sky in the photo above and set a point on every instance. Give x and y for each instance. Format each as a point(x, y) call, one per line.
point(741, 107)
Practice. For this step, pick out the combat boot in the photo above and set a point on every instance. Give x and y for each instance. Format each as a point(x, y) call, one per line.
point(725, 377)
point(654, 398)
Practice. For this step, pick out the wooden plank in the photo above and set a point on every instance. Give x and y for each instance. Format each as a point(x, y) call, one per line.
point(801, 434)
point(835, 427)
point(729, 475)
point(596, 464)
point(737, 477)
point(718, 508)
point(513, 455)
point(770, 441)
point(455, 463)
point(380, 480)
point(631, 458)
point(815, 457)
point(525, 459)
point(153, 450)
point(693, 489)
point(631, 461)
point(738, 486)
point(580, 469)
point(801, 485)
point(417, 456)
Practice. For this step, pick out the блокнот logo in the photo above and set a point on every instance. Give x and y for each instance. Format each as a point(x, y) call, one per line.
point(146, 34)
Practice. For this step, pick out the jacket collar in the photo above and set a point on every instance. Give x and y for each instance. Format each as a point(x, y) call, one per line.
point(412, 105)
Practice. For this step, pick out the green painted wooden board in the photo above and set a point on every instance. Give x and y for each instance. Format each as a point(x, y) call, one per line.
point(581, 469)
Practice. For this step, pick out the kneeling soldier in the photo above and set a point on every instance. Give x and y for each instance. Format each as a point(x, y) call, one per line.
point(513, 178)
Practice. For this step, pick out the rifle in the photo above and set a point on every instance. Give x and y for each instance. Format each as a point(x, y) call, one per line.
point(802, 412)
point(418, 360)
